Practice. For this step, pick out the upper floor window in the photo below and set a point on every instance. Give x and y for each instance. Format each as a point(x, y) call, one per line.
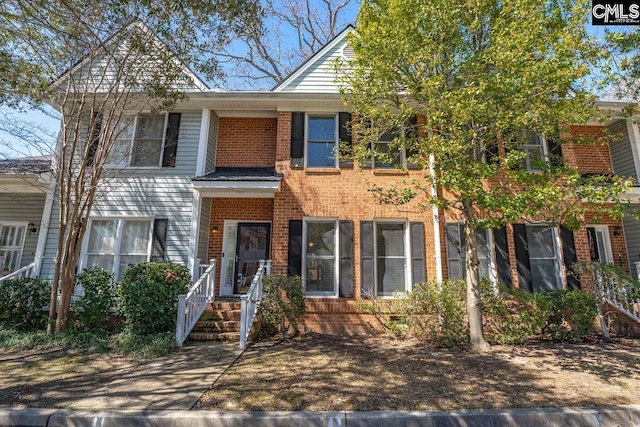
point(145, 140)
point(322, 141)
point(393, 156)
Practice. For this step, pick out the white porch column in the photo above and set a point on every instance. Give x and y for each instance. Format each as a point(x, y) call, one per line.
point(193, 239)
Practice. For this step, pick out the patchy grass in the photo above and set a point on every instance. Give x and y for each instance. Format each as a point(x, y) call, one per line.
point(122, 343)
point(322, 373)
point(55, 379)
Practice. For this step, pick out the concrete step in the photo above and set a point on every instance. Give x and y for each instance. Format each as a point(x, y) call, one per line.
point(234, 315)
point(214, 336)
point(217, 326)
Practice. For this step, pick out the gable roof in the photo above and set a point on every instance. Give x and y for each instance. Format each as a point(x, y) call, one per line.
point(313, 60)
point(26, 165)
point(197, 81)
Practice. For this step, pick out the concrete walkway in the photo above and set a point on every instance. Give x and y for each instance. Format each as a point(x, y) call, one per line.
point(173, 382)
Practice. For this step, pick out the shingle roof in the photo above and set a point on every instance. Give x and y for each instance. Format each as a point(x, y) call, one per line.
point(241, 174)
point(26, 165)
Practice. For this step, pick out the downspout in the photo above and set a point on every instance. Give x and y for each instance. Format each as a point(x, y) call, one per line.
point(436, 222)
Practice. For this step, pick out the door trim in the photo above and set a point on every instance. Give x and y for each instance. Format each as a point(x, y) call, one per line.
point(225, 255)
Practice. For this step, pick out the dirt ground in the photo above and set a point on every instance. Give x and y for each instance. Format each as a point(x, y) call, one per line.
point(55, 379)
point(316, 372)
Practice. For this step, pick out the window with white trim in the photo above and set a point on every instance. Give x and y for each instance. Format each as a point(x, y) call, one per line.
point(535, 150)
point(544, 257)
point(320, 263)
point(321, 141)
point(114, 244)
point(139, 141)
point(11, 243)
point(390, 249)
point(384, 145)
point(456, 252)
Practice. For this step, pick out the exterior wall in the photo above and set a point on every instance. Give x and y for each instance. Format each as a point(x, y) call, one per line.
point(23, 208)
point(157, 192)
point(338, 193)
point(203, 231)
point(591, 156)
point(240, 209)
point(246, 142)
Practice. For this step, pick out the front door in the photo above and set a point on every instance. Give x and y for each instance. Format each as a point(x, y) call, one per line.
point(252, 245)
point(599, 246)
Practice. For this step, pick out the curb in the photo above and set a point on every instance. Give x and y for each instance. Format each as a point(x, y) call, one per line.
point(622, 416)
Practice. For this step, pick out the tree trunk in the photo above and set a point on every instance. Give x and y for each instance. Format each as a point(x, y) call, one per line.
point(474, 311)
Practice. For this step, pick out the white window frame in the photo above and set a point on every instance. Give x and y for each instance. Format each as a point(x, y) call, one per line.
point(604, 229)
point(407, 253)
point(134, 133)
point(336, 134)
point(403, 153)
point(24, 237)
point(555, 238)
point(493, 266)
point(119, 232)
point(336, 255)
point(545, 152)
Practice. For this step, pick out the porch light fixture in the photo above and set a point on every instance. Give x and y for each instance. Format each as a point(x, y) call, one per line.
point(214, 229)
point(617, 230)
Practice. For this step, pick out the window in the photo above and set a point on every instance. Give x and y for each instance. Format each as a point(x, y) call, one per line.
point(534, 148)
point(114, 244)
point(320, 261)
point(390, 257)
point(139, 141)
point(322, 141)
point(456, 252)
point(384, 146)
point(543, 257)
point(11, 242)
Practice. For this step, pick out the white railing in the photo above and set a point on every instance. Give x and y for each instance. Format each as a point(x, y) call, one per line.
point(250, 302)
point(192, 305)
point(25, 271)
point(612, 293)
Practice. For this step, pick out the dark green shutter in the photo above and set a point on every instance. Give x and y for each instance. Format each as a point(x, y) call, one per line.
point(344, 135)
point(569, 257)
point(555, 152)
point(295, 248)
point(502, 256)
point(418, 273)
point(94, 138)
point(367, 285)
point(171, 141)
point(411, 134)
point(455, 266)
point(522, 257)
point(159, 243)
point(346, 259)
point(297, 140)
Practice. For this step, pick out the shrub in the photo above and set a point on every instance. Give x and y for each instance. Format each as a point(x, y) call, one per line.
point(283, 303)
point(570, 315)
point(148, 296)
point(92, 311)
point(22, 303)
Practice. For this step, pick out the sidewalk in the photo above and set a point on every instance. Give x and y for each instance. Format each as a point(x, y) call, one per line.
point(174, 382)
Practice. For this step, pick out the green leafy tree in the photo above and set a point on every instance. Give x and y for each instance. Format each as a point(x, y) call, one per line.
point(483, 77)
point(100, 63)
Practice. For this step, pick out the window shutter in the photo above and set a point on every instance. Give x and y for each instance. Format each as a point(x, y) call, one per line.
point(367, 287)
point(159, 243)
point(522, 257)
point(418, 272)
point(412, 134)
point(297, 140)
point(295, 248)
point(569, 257)
point(344, 135)
point(555, 152)
point(454, 251)
point(171, 141)
point(94, 138)
point(491, 153)
point(346, 259)
point(502, 256)
point(368, 162)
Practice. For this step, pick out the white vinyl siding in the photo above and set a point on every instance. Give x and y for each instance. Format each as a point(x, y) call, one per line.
point(212, 143)
point(632, 237)
point(24, 208)
point(621, 150)
point(158, 192)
